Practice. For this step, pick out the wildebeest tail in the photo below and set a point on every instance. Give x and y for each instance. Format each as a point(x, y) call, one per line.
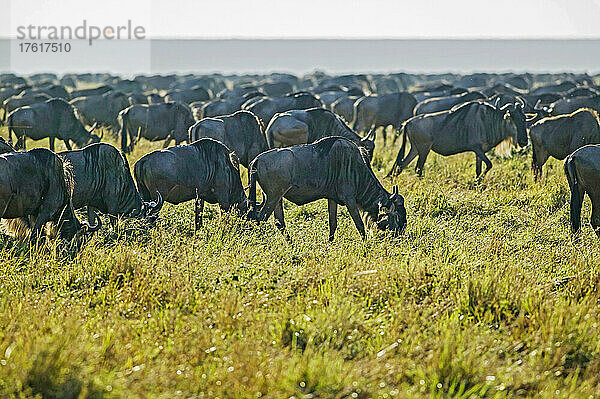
point(252, 190)
point(138, 173)
point(576, 194)
point(535, 168)
point(123, 120)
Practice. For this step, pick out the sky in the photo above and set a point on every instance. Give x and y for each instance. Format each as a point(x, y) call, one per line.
point(456, 19)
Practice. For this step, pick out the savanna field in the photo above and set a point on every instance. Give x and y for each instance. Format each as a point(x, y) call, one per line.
point(486, 294)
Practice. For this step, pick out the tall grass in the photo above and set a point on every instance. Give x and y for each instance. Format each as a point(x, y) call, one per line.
point(486, 294)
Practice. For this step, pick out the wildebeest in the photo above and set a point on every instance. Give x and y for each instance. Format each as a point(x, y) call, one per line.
point(91, 92)
point(334, 168)
point(583, 174)
point(267, 107)
point(205, 170)
point(154, 122)
point(103, 182)
point(558, 136)
point(102, 109)
point(388, 109)
point(35, 188)
point(227, 106)
point(436, 104)
point(307, 126)
point(12, 103)
point(187, 96)
point(568, 105)
point(55, 119)
point(241, 132)
point(473, 126)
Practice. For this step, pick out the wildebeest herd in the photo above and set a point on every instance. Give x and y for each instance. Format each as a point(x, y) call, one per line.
point(300, 138)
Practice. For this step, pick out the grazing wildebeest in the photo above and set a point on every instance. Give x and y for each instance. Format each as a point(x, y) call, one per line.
point(227, 106)
point(241, 132)
point(583, 174)
point(102, 109)
point(55, 119)
point(436, 104)
point(205, 170)
point(91, 92)
point(473, 126)
point(154, 122)
point(103, 182)
point(568, 105)
point(267, 107)
point(344, 107)
point(307, 126)
point(187, 96)
point(388, 109)
point(35, 188)
point(12, 103)
point(560, 135)
point(334, 168)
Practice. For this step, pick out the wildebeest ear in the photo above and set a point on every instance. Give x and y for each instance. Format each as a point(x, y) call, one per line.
point(234, 160)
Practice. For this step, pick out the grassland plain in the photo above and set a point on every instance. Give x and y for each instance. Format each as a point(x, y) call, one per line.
point(486, 294)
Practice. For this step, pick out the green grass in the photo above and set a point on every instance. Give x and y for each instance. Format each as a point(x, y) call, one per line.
point(486, 294)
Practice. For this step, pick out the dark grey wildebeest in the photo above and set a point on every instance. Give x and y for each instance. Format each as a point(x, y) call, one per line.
point(103, 182)
point(334, 168)
point(102, 109)
point(568, 105)
point(35, 188)
point(267, 107)
point(583, 174)
point(241, 132)
point(373, 112)
point(558, 136)
point(472, 126)
point(55, 119)
point(227, 106)
point(307, 126)
point(436, 104)
point(154, 122)
point(205, 170)
point(12, 103)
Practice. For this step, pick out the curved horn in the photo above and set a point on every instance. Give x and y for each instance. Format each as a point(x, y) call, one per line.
point(370, 135)
point(520, 102)
point(101, 134)
point(537, 104)
point(93, 127)
point(91, 229)
point(155, 206)
point(395, 190)
point(530, 116)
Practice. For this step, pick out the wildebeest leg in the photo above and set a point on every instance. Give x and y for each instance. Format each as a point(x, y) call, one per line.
point(421, 161)
point(481, 155)
point(278, 213)
point(198, 209)
point(355, 214)
point(477, 165)
point(43, 217)
point(68, 145)
point(270, 202)
point(595, 220)
point(383, 134)
point(51, 142)
point(332, 208)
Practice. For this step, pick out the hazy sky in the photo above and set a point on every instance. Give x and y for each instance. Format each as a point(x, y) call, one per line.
point(320, 18)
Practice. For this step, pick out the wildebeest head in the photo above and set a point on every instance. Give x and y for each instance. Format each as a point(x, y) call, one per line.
point(515, 114)
point(392, 214)
point(149, 210)
point(368, 143)
point(5, 146)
